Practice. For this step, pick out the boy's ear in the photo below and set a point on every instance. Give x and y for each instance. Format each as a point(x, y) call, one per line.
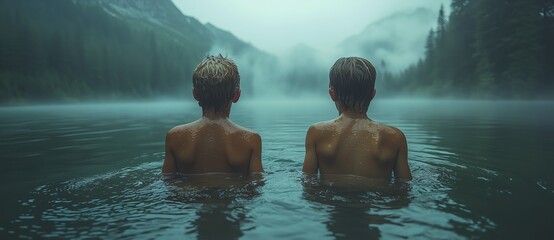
point(194, 94)
point(332, 94)
point(237, 96)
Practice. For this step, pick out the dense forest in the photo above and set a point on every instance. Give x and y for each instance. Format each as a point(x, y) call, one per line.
point(485, 49)
point(64, 51)
point(67, 50)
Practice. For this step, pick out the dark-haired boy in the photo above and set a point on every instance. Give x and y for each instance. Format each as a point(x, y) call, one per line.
point(213, 144)
point(353, 144)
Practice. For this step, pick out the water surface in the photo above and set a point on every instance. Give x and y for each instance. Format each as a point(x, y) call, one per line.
point(482, 169)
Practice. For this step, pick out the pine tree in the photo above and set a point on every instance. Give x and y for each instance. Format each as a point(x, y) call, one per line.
point(459, 49)
point(522, 70)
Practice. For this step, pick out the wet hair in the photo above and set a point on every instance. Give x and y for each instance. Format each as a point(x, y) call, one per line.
point(215, 81)
point(353, 81)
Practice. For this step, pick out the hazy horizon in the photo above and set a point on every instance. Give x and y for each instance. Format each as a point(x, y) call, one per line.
point(149, 49)
point(278, 26)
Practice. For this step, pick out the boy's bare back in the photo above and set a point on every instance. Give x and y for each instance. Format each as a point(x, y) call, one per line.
point(213, 144)
point(208, 146)
point(353, 144)
point(356, 146)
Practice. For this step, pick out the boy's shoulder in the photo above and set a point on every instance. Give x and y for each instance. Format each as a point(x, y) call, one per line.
point(322, 129)
point(245, 137)
point(183, 128)
point(185, 131)
point(390, 130)
point(331, 125)
point(324, 125)
point(246, 132)
point(182, 132)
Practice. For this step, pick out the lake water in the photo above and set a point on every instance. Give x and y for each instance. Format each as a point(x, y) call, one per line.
point(482, 169)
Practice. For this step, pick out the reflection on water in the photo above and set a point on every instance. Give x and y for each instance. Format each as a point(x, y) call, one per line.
point(352, 202)
point(222, 201)
point(140, 202)
point(93, 171)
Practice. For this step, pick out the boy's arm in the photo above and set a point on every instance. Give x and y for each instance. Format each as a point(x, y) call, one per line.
point(256, 157)
point(401, 167)
point(310, 160)
point(169, 161)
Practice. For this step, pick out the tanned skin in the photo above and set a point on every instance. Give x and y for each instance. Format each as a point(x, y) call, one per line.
point(353, 144)
point(212, 144)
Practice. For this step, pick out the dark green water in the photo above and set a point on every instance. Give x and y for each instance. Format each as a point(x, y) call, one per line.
point(481, 169)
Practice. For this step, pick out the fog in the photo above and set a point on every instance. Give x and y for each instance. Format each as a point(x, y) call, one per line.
point(300, 40)
point(142, 49)
point(278, 25)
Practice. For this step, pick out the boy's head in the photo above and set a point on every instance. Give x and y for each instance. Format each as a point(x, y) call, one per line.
point(216, 82)
point(352, 83)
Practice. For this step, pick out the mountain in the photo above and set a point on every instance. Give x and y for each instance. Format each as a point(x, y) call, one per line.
point(69, 50)
point(73, 50)
point(162, 13)
point(397, 40)
point(250, 60)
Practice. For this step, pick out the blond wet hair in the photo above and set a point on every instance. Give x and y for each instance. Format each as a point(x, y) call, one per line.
point(215, 81)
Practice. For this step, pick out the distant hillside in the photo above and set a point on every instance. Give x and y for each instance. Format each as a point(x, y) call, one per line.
point(396, 40)
point(255, 66)
point(68, 50)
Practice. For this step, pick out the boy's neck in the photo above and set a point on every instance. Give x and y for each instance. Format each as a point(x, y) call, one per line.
point(354, 115)
point(216, 115)
point(350, 113)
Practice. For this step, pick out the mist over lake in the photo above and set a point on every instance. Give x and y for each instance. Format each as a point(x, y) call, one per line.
point(120, 49)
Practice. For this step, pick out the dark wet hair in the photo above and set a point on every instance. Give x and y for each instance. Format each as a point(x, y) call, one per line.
point(215, 81)
point(353, 80)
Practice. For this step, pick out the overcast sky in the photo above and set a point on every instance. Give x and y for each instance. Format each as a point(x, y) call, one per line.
point(278, 25)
